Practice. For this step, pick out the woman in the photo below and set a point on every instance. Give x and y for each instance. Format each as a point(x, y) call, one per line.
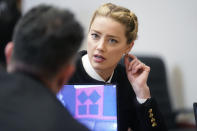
point(112, 32)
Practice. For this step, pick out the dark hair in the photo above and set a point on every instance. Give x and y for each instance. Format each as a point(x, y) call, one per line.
point(46, 38)
point(9, 15)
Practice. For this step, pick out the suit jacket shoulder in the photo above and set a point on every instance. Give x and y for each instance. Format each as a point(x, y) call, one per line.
point(26, 104)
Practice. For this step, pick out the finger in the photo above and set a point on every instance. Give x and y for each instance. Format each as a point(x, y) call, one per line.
point(129, 65)
point(141, 67)
point(137, 68)
point(132, 63)
point(136, 62)
point(147, 68)
point(132, 56)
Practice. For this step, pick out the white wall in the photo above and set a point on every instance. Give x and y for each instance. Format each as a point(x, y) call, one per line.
point(166, 28)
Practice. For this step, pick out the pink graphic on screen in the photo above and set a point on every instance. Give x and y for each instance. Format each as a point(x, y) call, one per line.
point(89, 103)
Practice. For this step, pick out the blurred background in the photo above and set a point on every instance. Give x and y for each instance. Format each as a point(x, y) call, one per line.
point(167, 29)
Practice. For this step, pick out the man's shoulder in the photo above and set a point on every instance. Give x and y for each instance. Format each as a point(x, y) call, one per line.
point(33, 105)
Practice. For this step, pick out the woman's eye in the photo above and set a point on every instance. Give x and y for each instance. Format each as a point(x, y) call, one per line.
point(94, 35)
point(113, 41)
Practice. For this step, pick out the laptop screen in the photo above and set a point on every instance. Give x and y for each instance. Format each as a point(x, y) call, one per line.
point(93, 105)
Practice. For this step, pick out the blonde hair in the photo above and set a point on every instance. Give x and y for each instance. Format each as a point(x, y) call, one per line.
point(121, 15)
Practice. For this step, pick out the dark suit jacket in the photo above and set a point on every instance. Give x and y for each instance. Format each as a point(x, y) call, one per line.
point(131, 114)
point(27, 105)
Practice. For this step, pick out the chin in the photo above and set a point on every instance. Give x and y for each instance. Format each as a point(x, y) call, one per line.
point(97, 66)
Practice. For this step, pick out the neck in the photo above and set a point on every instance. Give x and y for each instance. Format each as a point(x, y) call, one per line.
point(19, 67)
point(105, 74)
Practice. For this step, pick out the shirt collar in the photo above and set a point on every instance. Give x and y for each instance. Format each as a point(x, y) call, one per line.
point(90, 70)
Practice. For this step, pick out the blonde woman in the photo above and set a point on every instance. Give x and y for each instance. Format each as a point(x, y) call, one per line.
point(112, 33)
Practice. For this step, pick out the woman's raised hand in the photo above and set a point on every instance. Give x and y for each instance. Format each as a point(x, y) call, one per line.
point(137, 73)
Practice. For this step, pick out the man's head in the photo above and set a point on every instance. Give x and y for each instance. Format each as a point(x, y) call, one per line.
point(44, 42)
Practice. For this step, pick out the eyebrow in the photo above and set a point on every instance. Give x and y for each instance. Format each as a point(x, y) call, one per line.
point(95, 31)
point(107, 35)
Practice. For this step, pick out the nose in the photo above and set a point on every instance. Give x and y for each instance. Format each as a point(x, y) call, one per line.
point(101, 45)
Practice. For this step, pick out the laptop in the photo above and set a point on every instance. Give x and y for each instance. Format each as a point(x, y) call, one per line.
point(95, 106)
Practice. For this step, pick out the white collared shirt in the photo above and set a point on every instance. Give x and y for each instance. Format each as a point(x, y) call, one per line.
point(90, 70)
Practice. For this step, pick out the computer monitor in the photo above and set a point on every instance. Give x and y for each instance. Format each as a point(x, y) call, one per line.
point(93, 105)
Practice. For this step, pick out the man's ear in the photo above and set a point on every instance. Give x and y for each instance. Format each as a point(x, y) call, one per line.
point(129, 47)
point(8, 51)
point(64, 75)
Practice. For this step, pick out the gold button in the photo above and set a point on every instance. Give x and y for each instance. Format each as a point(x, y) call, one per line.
point(152, 120)
point(150, 110)
point(151, 115)
point(154, 124)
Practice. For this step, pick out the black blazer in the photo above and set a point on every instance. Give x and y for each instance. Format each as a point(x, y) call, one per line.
point(27, 105)
point(131, 114)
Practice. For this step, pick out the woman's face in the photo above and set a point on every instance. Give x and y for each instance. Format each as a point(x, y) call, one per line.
point(106, 43)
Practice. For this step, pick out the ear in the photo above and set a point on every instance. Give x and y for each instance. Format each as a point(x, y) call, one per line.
point(8, 51)
point(129, 47)
point(64, 75)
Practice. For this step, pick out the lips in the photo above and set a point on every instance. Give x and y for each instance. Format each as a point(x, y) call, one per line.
point(98, 58)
